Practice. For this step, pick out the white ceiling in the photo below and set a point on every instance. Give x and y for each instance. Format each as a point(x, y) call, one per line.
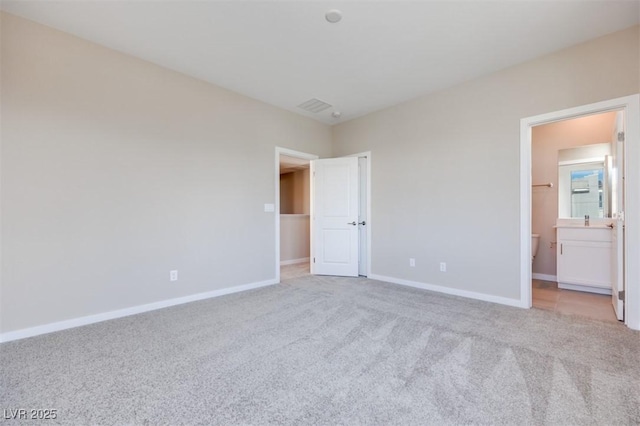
point(380, 54)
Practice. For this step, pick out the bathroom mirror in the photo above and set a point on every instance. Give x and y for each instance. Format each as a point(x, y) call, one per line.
point(584, 187)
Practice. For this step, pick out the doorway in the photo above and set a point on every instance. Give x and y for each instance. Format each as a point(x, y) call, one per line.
point(292, 213)
point(572, 179)
point(625, 223)
point(294, 216)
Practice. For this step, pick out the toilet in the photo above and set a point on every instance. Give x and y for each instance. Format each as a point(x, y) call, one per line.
point(535, 239)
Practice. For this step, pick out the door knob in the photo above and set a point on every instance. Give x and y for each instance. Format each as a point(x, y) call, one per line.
point(362, 223)
point(352, 223)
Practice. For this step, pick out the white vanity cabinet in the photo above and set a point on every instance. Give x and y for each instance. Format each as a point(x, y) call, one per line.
point(584, 258)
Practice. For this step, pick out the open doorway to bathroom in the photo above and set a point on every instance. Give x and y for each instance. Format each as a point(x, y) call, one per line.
point(572, 179)
point(585, 247)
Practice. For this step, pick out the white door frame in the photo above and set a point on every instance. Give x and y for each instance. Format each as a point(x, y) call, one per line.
point(631, 106)
point(289, 153)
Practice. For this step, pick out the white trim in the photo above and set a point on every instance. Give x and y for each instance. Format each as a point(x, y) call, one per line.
point(525, 214)
point(290, 153)
point(369, 225)
point(105, 316)
point(294, 261)
point(544, 277)
point(631, 106)
point(453, 291)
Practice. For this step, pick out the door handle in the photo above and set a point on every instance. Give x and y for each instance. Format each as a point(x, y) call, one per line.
point(362, 223)
point(354, 223)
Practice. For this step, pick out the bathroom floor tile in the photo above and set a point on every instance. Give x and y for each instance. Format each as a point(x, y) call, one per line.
point(585, 298)
point(546, 295)
point(544, 284)
point(547, 305)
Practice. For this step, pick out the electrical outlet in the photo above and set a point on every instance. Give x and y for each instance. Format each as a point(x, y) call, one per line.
point(412, 262)
point(173, 275)
point(443, 267)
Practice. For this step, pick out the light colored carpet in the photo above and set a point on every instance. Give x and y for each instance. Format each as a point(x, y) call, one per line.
point(326, 350)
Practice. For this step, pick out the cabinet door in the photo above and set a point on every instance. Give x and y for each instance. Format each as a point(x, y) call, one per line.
point(584, 263)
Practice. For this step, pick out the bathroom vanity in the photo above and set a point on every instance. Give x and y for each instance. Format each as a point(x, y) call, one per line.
point(584, 257)
point(587, 203)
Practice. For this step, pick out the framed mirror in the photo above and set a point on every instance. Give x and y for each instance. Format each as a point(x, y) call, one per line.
point(584, 187)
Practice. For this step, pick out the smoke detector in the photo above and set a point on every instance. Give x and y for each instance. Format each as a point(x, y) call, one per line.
point(336, 114)
point(333, 16)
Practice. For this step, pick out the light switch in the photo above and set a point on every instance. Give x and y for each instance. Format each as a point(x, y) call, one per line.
point(269, 208)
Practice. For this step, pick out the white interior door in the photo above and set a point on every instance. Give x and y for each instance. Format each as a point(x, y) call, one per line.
point(617, 204)
point(334, 216)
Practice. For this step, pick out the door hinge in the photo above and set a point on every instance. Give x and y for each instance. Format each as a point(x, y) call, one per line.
point(621, 295)
point(620, 136)
point(314, 260)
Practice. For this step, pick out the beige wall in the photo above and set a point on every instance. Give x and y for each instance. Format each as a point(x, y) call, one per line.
point(546, 141)
point(294, 237)
point(303, 188)
point(294, 230)
point(445, 167)
point(294, 192)
point(115, 171)
point(286, 193)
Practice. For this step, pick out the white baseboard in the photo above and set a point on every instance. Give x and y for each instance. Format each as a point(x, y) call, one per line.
point(91, 319)
point(585, 288)
point(453, 291)
point(544, 277)
point(294, 261)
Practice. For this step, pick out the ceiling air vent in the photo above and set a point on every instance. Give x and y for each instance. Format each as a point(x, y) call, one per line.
point(314, 105)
